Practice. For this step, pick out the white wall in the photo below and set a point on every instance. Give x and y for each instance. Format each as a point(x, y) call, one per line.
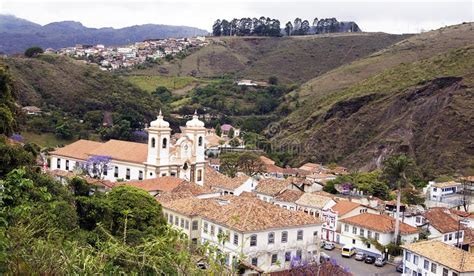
point(263, 250)
point(424, 266)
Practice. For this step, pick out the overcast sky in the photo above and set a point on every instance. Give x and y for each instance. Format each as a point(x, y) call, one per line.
point(386, 16)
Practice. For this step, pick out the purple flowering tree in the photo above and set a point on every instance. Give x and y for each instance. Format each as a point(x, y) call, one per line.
point(95, 166)
point(325, 268)
point(17, 137)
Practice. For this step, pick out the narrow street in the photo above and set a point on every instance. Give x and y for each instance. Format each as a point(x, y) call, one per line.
point(360, 268)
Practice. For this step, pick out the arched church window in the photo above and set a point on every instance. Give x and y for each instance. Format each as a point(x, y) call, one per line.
point(199, 175)
point(200, 141)
point(165, 142)
point(153, 142)
point(185, 167)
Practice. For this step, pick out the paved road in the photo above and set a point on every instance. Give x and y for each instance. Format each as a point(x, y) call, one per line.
point(361, 268)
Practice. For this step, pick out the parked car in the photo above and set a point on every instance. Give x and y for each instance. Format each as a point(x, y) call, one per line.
point(348, 251)
point(329, 246)
point(322, 244)
point(380, 262)
point(400, 268)
point(323, 257)
point(369, 260)
point(360, 256)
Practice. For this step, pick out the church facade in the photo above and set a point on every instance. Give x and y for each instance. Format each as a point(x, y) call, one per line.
point(180, 155)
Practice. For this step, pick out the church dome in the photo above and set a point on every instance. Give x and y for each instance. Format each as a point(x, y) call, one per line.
point(195, 122)
point(159, 122)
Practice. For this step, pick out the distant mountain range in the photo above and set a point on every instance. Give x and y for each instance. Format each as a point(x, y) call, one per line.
point(18, 34)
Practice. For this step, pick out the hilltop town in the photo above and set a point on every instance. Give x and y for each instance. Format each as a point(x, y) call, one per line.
point(125, 56)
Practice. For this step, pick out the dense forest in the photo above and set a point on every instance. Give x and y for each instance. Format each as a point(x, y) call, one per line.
point(266, 26)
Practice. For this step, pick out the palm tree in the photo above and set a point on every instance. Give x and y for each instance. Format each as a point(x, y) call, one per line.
point(398, 169)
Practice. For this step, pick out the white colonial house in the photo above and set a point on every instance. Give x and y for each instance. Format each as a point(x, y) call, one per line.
point(268, 188)
point(226, 185)
point(314, 203)
point(433, 258)
point(268, 236)
point(444, 226)
point(331, 228)
point(442, 191)
point(356, 231)
point(183, 158)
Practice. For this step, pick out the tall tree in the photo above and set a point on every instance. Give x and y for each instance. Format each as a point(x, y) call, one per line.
point(304, 27)
point(217, 28)
point(225, 27)
point(398, 170)
point(288, 28)
point(297, 26)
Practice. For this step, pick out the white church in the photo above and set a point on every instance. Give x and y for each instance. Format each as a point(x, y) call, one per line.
point(180, 155)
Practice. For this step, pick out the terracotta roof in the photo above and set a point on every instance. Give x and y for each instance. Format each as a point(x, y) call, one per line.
point(446, 184)
point(266, 160)
point(78, 150)
point(249, 214)
point(441, 220)
point(461, 213)
point(192, 188)
point(163, 184)
point(123, 151)
point(61, 173)
point(379, 223)
point(213, 140)
point(313, 200)
point(344, 206)
point(289, 196)
point(214, 161)
point(190, 206)
point(469, 178)
point(312, 167)
point(215, 179)
point(437, 251)
point(272, 186)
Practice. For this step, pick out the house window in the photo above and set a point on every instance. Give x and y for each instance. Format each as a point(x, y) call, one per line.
point(255, 261)
point(236, 239)
point(284, 236)
point(163, 174)
point(105, 170)
point(354, 230)
point(274, 258)
point(418, 219)
point(415, 259)
point(299, 235)
point(353, 241)
point(219, 232)
point(199, 175)
point(195, 225)
point(455, 274)
point(153, 142)
point(67, 165)
point(446, 237)
point(200, 141)
point(346, 227)
point(271, 238)
point(445, 271)
point(115, 171)
point(186, 224)
point(253, 240)
point(212, 230)
point(299, 254)
point(204, 227)
point(361, 232)
point(176, 221)
point(377, 236)
point(127, 175)
point(368, 245)
point(369, 234)
point(407, 256)
point(458, 235)
point(414, 273)
point(450, 236)
point(165, 143)
point(171, 219)
point(434, 267)
point(58, 163)
point(287, 256)
point(426, 264)
point(315, 234)
point(140, 175)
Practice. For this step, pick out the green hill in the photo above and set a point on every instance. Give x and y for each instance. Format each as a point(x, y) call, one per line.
point(415, 96)
point(291, 59)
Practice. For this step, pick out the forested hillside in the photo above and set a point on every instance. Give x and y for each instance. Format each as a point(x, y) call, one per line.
point(414, 97)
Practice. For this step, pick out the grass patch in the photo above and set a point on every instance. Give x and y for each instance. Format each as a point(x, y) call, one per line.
point(150, 83)
point(44, 140)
